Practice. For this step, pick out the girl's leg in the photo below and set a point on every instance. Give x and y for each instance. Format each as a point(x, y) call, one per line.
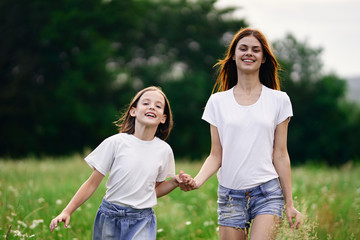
point(230, 233)
point(265, 227)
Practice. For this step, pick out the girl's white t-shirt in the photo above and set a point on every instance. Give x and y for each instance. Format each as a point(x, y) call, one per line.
point(247, 135)
point(134, 167)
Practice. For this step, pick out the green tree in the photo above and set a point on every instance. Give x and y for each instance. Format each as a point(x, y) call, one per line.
point(324, 122)
point(68, 67)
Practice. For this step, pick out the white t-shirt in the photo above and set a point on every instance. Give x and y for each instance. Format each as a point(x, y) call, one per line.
point(134, 167)
point(247, 135)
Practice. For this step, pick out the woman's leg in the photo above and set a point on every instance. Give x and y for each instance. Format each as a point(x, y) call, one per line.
point(231, 233)
point(265, 227)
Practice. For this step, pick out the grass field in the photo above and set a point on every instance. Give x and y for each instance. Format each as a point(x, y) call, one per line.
point(32, 192)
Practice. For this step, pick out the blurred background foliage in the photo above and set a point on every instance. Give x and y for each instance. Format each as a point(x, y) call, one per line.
point(69, 68)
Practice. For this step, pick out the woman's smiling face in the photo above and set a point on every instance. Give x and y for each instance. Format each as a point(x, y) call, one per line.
point(248, 54)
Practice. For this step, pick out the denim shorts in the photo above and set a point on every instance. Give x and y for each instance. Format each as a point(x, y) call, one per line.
point(237, 208)
point(124, 223)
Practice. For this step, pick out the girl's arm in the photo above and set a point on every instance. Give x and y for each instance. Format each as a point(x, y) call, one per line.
point(282, 165)
point(212, 162)
point(83, 194)
point(165, 187)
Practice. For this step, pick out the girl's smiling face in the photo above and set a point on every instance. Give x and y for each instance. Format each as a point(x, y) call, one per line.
point(248, 54)
point(150, 109)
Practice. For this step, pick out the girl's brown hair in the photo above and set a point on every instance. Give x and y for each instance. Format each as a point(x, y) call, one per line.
point(126, 123)
point(227, 77)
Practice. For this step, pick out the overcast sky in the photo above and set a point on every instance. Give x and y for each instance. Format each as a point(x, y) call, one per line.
point(333, 25)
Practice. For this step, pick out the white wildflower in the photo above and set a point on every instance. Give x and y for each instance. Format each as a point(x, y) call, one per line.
point(160, 230)
point(35, 223)
point(41, 200)
point(22, 223)
point(208, 223)
point(59, 201)
point(187, 222)
point(17, 233)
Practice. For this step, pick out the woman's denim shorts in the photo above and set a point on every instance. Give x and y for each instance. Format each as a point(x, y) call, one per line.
point(237, 208)
point(124, 223)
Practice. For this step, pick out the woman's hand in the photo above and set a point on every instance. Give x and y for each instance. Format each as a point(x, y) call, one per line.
point(186, 182)
point(291, 214)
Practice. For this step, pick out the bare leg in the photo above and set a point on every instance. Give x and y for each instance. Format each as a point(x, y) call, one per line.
point(230, 233)
point(265, 227)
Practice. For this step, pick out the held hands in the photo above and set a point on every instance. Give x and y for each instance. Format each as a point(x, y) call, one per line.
point(186, 182)
point(62, 217)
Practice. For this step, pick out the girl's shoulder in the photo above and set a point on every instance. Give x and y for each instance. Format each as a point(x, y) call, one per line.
point(116, 137)
point(162, 143)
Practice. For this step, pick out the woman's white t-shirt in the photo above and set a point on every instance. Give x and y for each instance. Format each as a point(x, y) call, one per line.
point(134, 167)
point(247, 135)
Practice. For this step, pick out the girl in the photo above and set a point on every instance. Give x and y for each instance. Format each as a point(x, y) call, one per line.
point(248, 119)
point(138, 161)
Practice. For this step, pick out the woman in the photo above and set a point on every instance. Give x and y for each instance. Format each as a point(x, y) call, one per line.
point(248, 117)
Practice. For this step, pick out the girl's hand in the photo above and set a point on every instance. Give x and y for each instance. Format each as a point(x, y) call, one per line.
point(291, 214)
point(62, 217)
point(186, 182)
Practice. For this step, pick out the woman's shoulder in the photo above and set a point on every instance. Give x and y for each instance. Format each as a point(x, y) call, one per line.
point(278, 94)
point(221, 95)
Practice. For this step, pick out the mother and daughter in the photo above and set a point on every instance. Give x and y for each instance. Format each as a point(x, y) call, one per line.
point(248, 117)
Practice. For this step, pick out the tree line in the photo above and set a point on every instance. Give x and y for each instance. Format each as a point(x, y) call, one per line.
point(69, 68)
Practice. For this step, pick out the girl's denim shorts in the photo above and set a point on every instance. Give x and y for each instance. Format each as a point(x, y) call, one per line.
point(237, 208)
point(124, 223)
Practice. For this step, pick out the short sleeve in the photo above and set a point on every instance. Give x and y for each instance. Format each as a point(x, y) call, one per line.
point(102, 157)
point(285, 108)
point(168, 169)
point(209, 114)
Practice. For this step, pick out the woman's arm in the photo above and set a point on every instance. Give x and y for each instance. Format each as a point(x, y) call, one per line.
point(282, 165)
point(213, 161)
point(83, 194)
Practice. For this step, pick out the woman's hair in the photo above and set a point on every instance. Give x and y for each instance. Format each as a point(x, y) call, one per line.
point(227, 77)
point(126, 123)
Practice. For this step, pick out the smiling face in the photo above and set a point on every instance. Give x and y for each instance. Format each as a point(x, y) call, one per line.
point(248, 55)
point(149, 110)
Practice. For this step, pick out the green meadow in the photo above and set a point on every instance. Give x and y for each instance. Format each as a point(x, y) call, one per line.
point(32, 192)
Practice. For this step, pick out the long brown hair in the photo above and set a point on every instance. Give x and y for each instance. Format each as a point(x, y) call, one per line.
point(126, 122)
point(227, 77)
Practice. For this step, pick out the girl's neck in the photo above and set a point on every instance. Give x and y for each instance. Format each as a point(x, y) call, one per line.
point(144, 133)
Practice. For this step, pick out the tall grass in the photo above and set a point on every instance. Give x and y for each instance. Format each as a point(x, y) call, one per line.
point(32, 192)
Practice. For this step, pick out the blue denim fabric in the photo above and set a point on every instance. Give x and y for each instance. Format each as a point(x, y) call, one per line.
point(237, 208)
point(124, 223)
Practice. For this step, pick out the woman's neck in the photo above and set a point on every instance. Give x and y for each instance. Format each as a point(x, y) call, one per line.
point(248, 83)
